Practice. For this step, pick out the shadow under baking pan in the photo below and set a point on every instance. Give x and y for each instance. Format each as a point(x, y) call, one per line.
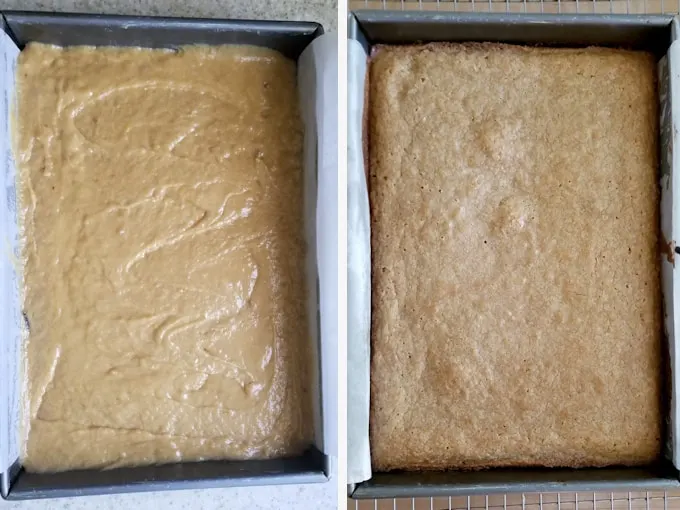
point(289, 38)
point(653, 33)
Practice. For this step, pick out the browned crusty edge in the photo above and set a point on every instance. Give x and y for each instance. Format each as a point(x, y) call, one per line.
point(515, 285)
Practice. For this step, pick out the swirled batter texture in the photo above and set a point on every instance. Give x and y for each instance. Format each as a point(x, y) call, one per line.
point(163, 255)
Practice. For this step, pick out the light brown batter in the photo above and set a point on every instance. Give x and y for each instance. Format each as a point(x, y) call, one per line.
point(515, 286)
point(164, 255)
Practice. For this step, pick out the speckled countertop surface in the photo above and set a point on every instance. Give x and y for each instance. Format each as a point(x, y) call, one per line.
point(298, 497)
point(312, 497)
point(322, 11)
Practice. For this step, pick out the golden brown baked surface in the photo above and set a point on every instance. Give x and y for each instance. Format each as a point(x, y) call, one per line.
point(516, 294)
point(163, 256)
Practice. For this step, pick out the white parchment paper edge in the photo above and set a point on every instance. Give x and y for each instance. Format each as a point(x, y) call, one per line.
point(10, 308)
point(670, 228)
point(358, 275)
point(318, 86)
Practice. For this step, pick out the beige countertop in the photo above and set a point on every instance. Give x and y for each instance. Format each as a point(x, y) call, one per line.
point(322, 11)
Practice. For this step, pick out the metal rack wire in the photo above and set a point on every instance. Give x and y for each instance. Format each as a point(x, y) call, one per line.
point(548, 501)
point(527, 6)
point(552, 501)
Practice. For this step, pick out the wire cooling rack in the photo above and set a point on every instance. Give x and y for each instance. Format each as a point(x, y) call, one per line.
point(526, 6)
point(552, 501)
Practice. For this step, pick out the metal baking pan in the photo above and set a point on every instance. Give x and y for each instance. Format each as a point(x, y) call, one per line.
point(289, 38)
point(653, 33)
